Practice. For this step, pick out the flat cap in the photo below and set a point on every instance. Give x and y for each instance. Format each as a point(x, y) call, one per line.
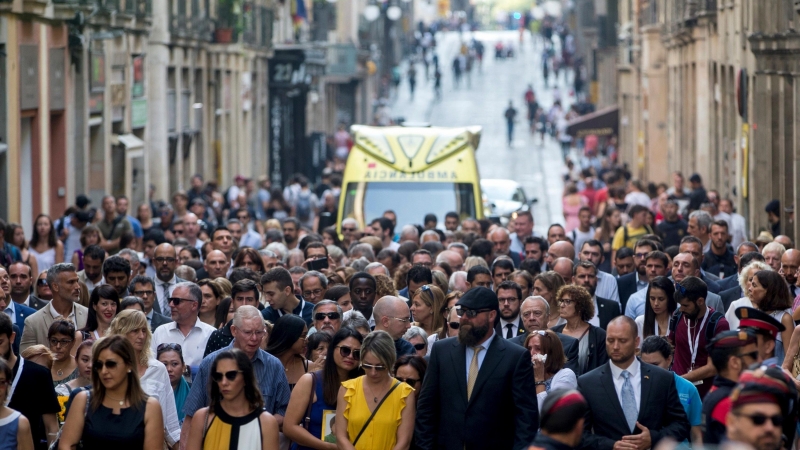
point(479, 298)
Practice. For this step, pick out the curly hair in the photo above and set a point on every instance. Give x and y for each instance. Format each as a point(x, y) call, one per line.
point(584, 307)
point(384, 286)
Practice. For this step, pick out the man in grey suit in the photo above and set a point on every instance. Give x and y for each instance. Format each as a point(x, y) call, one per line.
point(535, 312)
point(165, 261)
point(143, 287)
point(63, 281)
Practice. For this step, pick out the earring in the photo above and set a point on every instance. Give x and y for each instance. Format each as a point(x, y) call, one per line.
point(129, 371)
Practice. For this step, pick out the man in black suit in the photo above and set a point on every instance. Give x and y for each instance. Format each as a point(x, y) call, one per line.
point(628, 284)
point(143, 287)
point(631, 404)
point(585, 275)
point(733, 280)
point(509, 296)
point(535, 312)
point(502, 245)
point(477, 382)
point(790, 262)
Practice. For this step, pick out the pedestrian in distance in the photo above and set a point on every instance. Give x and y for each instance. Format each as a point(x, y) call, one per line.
point(510, 115)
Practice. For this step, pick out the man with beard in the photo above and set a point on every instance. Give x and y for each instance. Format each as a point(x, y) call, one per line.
point(165, 261)
point(31, 392)
point(363, 289)
point(291, 232)
point(691, 329)
point(92, 273)
point(477, 382)
point(622, 394)
point(509, 296)
point(790, 262)
point(759, 406)
point(656, 265)
point(636, 280)
point(327, 317)
point(585, 275)
point(63, 281)
point(719, 260)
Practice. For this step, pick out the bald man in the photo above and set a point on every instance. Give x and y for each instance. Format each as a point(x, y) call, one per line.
point(563, 267)
point(784, 240)
point(790, 262)
point(165, 261)
point(217, 264)
point(502, 245)
point(535, 312)
point(451, 257)
point(393, 316)
point(560, 249)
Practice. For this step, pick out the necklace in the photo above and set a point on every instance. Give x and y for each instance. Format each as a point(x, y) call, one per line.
point(60, 373)
point(121, 402)
point(374, 397)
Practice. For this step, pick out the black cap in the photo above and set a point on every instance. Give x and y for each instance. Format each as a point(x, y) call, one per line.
point(479, 298)
point(695, 178)
point(773, 207)
point(85, 216)
point(81, 201)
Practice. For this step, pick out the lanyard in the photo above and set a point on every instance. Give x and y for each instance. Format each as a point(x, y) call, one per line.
point(16, 380)
point(693, 348)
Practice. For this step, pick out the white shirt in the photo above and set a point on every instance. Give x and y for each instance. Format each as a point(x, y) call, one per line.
point(90, 285)
point(636, 380)
point(155, 382)
point(595, 320)
point(27, 301)
point(11, 312)
point(193, 344)
point(563, 379)
point(607, 286)
point(164, 302)
point(738, 230)
point(635, 306)
point(393, 246)
point(481, 355)
point(71, 316)
point(514, 327)
point(730, 316)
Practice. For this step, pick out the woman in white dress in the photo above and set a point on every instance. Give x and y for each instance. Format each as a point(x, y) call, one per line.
point(745, 277)
point(548, 360)
point(153, 375)
point(44, 245)
point(658, 309)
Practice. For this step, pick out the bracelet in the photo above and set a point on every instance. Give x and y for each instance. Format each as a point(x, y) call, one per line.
point(539, 383)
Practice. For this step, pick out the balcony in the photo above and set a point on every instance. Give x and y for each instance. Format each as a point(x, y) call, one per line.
point(648, 13)
point(139, 8)
point(244, 22)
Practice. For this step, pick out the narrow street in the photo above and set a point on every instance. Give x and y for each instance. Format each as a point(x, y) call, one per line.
point(482, 101)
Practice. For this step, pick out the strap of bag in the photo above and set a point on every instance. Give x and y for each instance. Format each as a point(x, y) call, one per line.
point(205, 425)
point(366, 424)
point(114, 227)
point(307, 420)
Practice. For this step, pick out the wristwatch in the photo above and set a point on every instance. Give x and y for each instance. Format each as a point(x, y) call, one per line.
point(539, 383)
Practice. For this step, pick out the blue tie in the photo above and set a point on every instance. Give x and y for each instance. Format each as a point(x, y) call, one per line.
point(629, 406)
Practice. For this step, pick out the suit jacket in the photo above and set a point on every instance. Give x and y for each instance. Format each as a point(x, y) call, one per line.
point(37, 324)
point(158, 320)
point(607, 311)
point(730, 295)
point(569, 343)
point(157, 306)
point(605, 422)
point(711, 281)
point(21, 312)
point(501, 400)
point(37, 303)
point(626, 285)
point(515, 258)
point(502, 331)
point(728, 282)
point(596, 356)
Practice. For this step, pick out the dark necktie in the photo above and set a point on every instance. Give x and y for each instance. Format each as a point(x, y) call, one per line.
point(510, 332)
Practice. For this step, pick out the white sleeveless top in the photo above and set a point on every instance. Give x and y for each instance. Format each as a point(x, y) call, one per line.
point(44, 260)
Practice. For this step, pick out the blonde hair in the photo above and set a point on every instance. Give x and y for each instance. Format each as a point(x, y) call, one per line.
point(748, 271)
point(35, 351)
point(434, 298)
point(224, 285)
point(272, 224)
point(473, 261)
point(132, 320)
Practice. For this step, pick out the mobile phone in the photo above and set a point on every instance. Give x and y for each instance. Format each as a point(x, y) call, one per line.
point(318, 264)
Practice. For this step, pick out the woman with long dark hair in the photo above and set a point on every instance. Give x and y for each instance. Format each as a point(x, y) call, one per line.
point(314, 397)
point(44, 246)
point(287, 343)
point(770, 294)
point(278, 207)
point(119, 414)
point(331, 237)
point(249, 257)
point(658, 308)
point(15, 234)
point(236, 409)
point(212, 295)
point(103, 307)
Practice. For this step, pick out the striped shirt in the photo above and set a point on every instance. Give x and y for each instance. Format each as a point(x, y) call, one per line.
point(269, 374)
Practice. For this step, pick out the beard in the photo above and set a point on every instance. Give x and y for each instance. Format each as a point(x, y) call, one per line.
point(470, 335)
point(7, 355)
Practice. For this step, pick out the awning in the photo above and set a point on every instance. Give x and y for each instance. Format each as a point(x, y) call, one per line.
point(604, 122)
point(134, 147)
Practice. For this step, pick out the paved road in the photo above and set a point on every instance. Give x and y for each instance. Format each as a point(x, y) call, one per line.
point(537, 166)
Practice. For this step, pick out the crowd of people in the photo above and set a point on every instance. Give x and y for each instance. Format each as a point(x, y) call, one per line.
point(641, 320)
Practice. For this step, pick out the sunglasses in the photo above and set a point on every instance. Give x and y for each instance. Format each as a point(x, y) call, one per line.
point(377, 367)
point(230, 375)
point(470, 313)
point(169, 346)
point(408, 381)
point(346, 351)
point(177, 300)
point(110, 365)
point(761, 419)
point(330, 315)
point(454, 325)
point(419, 347)
point(41, 282)
point(680, 289)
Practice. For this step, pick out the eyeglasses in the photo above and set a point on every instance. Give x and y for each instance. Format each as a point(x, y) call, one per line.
point(377, 367)
point(760, 419)
point(178, 231)
point(177, 300)
point(257, 333)
point(454, 325)
point(143, 293)
point(330, 315)
point(419, 346)
point(508, 300)
point(639, 255)
point(243, 217)
point(60, 342)
point(470, 313)
point(679, 287)
point(169, 346)
point(230, 375)
point(41, 282)
point(314, 293)
point(110, 365)
point(346, 351)
point(401, 319)
point(348, 229)
point(566, 301)
point(409, 381)
point(162, 260)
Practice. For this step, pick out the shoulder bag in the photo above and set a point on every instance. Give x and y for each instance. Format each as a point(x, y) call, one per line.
point(375, 411)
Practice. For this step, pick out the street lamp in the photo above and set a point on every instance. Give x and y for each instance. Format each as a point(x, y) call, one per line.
point(394, 12)
point(371, 13)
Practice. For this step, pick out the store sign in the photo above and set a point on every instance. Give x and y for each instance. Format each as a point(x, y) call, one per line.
point(137, 89)
point(288, 69)
point(138, 113)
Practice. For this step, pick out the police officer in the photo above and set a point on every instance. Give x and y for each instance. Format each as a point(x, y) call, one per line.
point(562, 421)
point(766, 329)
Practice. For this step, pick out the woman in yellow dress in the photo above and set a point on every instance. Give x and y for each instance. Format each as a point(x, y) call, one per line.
point(375, 411)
